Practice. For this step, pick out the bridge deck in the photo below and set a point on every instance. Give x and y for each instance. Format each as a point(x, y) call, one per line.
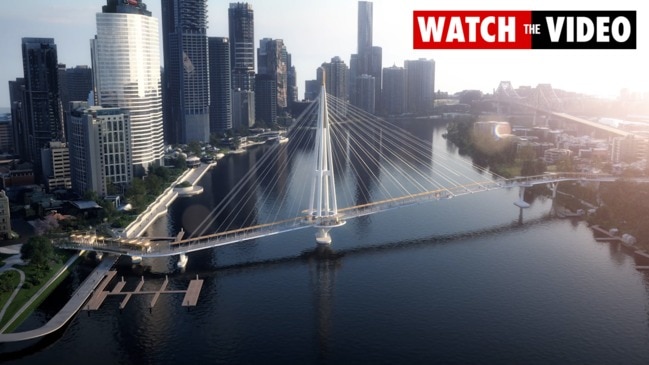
point(173, 246)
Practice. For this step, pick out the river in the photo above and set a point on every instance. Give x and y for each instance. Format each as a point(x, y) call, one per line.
point(453, 281)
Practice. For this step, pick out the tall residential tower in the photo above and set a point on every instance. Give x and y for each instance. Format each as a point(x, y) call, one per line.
point(241, 23)
point(126, 68)
point(43, 119)
point(220, 85)
point(186, 88)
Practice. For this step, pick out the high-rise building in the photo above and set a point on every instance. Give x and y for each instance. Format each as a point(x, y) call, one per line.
point(186, 87)
point(126, 69)
point(42, 104)
point(56, 166)
point(5, 216)
point(272, 61)
point(220, 85)
point(376, 70)
point(18, 118)
point(311, 89)
point(100, 149)
point(365, 18)
point(367, 60)
point(291, 83)
point(365, 85)
point(421, 85)
point(394, 90)
point(335, 77)
point(243, 109)
point(6, 139)
point(75, 84)
point(241, 24)
point(265, 99)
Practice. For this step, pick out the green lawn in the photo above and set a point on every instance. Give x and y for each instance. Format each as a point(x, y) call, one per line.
point(34, 280)
point(12, 280)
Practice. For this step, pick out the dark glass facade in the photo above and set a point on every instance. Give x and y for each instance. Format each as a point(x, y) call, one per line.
point(42, 104)
point(220, 85)
point(186, 82)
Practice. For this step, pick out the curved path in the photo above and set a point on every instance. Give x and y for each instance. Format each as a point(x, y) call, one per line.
point(15, 292)
point(71, 307)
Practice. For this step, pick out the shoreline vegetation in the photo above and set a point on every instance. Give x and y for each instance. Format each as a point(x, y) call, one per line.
point(44, 262)
point(38, 274)
point(620, 206)
point(38, 270)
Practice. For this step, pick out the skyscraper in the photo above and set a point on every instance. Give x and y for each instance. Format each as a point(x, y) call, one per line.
point(291, 83)
point(126, 68)
point(241, 25)
point(365, 85)
point(220, 85)
point(75, 84)
point(394, 90)
point(42, 105)
point(265, 99)
point(18, 117)
point(335, 77)
point(364, 26)
point(186, 88)
point(421, 85)
point(368, 60)
point(272, 59)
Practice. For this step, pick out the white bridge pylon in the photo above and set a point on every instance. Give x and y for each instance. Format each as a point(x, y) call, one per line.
point(323, 209)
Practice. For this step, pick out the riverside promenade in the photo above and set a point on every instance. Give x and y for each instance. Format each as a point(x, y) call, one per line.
point(159, 207)
point(69, 309)
point(85, 290)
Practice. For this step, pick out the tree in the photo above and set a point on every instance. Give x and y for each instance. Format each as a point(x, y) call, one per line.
point(136, 194)
point(180, 162)
point(38, 251)
point(195, 148)
point(565, 165)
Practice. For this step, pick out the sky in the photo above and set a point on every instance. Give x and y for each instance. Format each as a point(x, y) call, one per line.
point(316, 31)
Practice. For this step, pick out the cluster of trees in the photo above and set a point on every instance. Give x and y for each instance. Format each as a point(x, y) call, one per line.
point(8, 281)
point(38, 251)
point(140, 193)
point(499, 155)
point(625, 205)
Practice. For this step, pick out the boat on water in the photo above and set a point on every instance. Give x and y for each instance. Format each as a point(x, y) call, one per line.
point(136, 259)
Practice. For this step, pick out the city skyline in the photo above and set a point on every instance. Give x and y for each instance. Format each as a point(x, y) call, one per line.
point(334, 33)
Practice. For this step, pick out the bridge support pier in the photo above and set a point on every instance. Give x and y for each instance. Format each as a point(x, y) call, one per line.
point(521, 203)
point(554, 187)
point(182, 261)
point(322, 236)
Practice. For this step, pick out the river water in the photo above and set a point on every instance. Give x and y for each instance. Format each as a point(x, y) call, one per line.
point(455, 281)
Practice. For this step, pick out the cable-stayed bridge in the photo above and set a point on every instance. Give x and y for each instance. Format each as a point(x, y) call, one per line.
point(340, 163)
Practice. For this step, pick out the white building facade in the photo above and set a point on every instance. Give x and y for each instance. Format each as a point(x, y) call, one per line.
point(126, 67)
point(100, 149)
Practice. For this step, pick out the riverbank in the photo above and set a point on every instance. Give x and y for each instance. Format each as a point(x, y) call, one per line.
point(22, 304)
point(159, 207)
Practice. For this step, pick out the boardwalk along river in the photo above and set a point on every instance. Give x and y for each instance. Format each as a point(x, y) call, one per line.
point(453, 281)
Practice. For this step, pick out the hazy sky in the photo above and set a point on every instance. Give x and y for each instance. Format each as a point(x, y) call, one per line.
point(316, 31)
